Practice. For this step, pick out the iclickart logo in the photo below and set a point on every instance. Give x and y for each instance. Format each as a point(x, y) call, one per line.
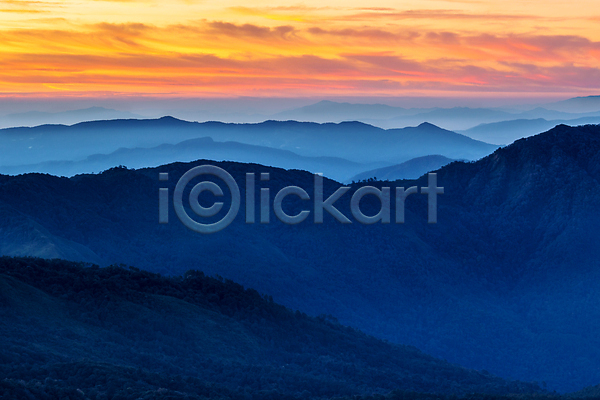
point(319, 204)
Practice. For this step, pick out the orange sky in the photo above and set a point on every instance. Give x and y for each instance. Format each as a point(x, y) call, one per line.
point(310, 48)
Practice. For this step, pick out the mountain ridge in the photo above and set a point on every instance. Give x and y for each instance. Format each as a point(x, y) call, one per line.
point(411, 169)
point(32, 118)
point(505, 281)
point(354, 141)
point(506, 132)
point(190, 150)
point(198, 331)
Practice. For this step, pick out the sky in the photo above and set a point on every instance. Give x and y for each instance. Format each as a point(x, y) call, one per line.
point(230, 48)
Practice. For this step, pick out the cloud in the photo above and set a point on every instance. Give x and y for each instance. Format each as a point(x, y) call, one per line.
point(26, 7)
point(25, 3)
point(555, 48)
point(205, 55)
point(366, 33)
point(249, 30)
point(225, 37)
point(436, 15)
point(443, 37)
point(354, 72)
point(22, 11)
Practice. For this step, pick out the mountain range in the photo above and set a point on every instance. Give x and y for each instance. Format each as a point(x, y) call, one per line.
point(576, 104)
point(76, 331)
point(34, 118)
point(508, 131)
point(454, 118)
point(189, 150)
point(505, 281)
point(510, 122)
point(69, 147)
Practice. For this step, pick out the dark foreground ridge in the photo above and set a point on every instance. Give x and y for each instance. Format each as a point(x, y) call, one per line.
point(75, 331)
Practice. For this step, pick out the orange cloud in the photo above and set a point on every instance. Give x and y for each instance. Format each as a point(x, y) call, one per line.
point(318, 49)
point(249, 30)
point(435, 15)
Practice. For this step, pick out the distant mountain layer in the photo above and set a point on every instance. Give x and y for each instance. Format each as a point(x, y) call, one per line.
point(411, 169)
point(455, 118)
point(353, 141)
point(380, 115)
point(33, 118)
point(506, 132)
point(577, 104)
point(70, 328)
point(190, 150)
point(393, 117)
point(506, 281)
point(330, 111)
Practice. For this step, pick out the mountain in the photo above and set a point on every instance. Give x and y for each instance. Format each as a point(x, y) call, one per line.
point(508, 131)
point(33, 118)
point(588, 392)
point(330, 111)
point(576, 104)
point(353, 141)
point(541, 112)
point(21, 235)
point(411, 169)
point(393, 117)
point(454, 118)
point(192, 149)
point(505, 281)
point(92, 332)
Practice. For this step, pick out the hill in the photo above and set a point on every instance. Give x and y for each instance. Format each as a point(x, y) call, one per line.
point(506, 132)
point(190, 150)
point(34, 118)
point(411, 169)
point(455, 118)
point(330, 111)
point(577, 104)
point(92, 332)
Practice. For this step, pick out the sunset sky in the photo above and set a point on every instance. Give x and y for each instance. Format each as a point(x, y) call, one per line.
point(310, 48)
